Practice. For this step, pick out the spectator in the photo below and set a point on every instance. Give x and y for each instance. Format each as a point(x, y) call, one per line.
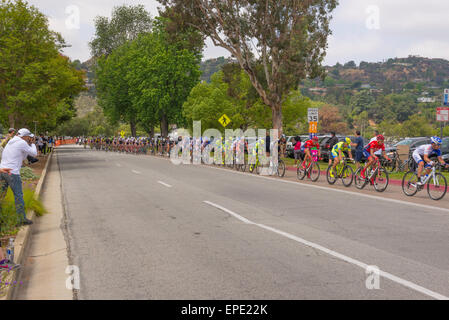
point(16, 151)
point(11, 134)
point(297, 151)
point(332, 142)
point(376, 133)
point(358, 144)
point(40, 144)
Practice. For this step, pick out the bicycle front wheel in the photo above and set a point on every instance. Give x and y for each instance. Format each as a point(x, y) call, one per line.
point(437, 187)
point(331, 175)
point(314, 172)
point(381, 180)
point(359, 182)
point(410, 184)
point(347, 176)
point(300, 172)
point(281, 168)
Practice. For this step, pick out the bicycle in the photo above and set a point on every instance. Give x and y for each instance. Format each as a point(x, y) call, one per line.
point(255, 167)
point(436, 183)
point(377, 177)
point(278, 169)
point(395, 164)
point(312, 171)
point(342, 171)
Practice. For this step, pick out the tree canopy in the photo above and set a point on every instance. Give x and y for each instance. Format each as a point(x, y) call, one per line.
point(288, 38)
point(37, 83)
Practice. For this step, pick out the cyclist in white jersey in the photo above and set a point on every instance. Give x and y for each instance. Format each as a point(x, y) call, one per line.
point(422, 155)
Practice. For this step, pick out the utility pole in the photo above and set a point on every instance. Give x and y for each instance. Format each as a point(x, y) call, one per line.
point(35, 128)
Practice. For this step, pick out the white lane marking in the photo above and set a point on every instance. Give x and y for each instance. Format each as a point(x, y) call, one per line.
point(337, 190)
point(164, 184)
point(335, 254)
point(118, 165)
point(136, 172)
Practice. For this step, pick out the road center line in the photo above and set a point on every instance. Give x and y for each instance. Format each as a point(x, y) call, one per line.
point(136, 172)
point(164, 184)
point(335, 254)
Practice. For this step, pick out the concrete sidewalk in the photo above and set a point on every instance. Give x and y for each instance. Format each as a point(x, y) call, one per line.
point(44, 276)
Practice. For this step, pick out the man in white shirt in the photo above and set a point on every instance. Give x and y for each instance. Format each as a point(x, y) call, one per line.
point(16, 151)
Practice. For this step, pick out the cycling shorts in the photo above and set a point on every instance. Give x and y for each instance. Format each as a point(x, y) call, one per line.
point(334, 154)
point(366, 153)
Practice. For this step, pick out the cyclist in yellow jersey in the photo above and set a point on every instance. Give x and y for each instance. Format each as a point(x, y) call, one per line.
point(337, 153)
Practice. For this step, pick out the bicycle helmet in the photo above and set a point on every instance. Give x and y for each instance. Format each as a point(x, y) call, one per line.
point(380, 137)
point(436, 140)
point(348, 140)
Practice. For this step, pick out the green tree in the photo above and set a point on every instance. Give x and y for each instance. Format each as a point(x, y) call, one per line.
point(37, 83)
point(126, 24)
point(161, 75)
point(289, 36)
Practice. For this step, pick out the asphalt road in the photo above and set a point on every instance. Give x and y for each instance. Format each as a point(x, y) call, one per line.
point(143, 228)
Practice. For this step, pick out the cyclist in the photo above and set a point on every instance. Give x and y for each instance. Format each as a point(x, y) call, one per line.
point(337, 153)
point(422, 156)
point(307, 146)
point(370, 149)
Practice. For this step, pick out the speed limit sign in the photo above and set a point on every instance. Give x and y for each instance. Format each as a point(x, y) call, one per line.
point(312, 114)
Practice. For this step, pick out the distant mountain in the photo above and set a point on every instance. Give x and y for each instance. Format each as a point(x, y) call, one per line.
point(211, 66)
point(397, 73)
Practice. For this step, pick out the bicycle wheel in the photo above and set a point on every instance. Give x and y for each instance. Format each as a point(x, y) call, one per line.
point(381, 180)
point(314, 172)
point(347, 176)
point(281, 168)
point(436, 188)
point(409, 184)
point(330, 179)
point(300, 172)
point(359, 182)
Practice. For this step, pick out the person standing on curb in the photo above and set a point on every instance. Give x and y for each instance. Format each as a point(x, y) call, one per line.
point(16, 151)
point(332, 142)
point(358, 149)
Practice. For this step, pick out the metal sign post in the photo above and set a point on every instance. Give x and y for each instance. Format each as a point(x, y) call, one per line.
point(313, 116)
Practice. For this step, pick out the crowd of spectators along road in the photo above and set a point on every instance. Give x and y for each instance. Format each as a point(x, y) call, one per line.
point(16, 148)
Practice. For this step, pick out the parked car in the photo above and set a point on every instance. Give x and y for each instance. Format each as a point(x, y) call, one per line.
point(325, 146)
point(290, 146)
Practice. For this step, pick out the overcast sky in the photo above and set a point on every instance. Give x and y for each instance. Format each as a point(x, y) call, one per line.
point(363, 30)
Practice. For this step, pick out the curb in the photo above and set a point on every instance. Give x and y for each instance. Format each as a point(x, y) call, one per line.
point(22, 242)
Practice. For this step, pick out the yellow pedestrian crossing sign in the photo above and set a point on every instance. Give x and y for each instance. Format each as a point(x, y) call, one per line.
point(122, 133)
point(224, 120)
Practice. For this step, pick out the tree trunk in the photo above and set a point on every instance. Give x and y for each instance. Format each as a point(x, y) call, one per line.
point(12, 120)
point(151, 133)
point(164, 126)
point(132, 124)
point(277, 118)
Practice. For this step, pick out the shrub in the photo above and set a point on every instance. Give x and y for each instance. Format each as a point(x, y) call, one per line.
point(26, 173)
point(9, 217)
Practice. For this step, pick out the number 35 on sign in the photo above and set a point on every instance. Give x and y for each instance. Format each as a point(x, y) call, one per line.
point(312, 115)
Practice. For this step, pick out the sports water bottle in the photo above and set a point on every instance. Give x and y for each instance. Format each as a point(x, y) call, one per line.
point(10, 250)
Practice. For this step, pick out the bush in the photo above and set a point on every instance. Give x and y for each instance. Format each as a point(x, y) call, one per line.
point(9, 218)
point(26, 173)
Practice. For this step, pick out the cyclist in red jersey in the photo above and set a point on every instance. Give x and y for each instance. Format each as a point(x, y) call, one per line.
point(370, 149)
point(309, 144)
